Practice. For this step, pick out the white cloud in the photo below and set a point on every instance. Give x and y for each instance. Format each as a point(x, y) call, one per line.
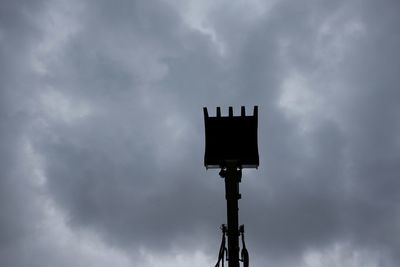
point(342, 254)
point(193, 258)
point(58, 106)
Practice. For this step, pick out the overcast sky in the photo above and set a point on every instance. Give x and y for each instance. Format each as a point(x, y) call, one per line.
point(102, 131)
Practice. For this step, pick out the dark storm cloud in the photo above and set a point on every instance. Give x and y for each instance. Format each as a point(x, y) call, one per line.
point(115, 118)
point(17, 219)
point(118, 170)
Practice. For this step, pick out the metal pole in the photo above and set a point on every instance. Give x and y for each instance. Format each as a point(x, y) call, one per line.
point(232, 177)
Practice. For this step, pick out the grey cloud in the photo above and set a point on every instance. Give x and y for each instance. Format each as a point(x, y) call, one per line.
point(117, 120)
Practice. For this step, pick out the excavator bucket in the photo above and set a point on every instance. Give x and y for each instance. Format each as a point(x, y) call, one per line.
point(231, 138)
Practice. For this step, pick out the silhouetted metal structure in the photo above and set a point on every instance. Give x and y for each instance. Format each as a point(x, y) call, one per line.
point(231, 145)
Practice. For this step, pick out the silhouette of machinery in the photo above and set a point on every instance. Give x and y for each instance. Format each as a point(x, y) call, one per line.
point(231, 145)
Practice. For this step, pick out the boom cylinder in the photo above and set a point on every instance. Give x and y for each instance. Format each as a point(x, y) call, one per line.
point(232, 177)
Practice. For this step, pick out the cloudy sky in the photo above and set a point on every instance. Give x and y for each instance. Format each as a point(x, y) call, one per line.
point(102, 135)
